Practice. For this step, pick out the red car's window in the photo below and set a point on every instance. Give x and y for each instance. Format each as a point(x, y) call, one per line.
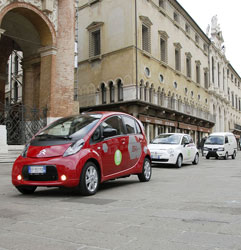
point(130, 125)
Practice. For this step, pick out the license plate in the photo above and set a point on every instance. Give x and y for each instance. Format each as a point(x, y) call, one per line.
point(156, 156)
point(37, 169)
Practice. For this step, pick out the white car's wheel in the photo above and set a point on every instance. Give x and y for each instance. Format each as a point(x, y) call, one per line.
point(179, 161)
point(196, 159)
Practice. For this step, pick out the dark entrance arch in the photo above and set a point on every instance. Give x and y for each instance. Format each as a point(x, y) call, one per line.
point(26, 28)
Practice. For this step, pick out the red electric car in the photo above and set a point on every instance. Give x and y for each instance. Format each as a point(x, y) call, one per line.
point(82, 151)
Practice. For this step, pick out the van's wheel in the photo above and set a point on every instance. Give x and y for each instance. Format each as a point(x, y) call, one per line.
point(179, 161)
point(226, 156)
point(196, 159)
point(234, 154)
point(89, 179)
point(26, 189)
point(146, 171)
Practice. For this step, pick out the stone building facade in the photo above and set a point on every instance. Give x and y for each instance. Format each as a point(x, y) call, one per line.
point(148, 58)
point(225, 85)
point(44, 30)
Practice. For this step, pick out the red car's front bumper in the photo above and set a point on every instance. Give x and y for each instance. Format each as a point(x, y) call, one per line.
point(70, 167)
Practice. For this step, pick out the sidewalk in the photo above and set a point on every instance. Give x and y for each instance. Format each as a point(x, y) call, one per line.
point(13, 152)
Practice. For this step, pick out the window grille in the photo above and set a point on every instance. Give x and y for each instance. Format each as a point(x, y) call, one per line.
point(95, 43)
point(146, 38)
point(163, 50)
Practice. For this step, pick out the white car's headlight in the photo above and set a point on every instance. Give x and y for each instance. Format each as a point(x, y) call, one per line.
point(74, 148)
point(170, 151)
point(220, 149)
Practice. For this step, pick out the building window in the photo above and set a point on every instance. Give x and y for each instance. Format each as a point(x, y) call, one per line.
point(206, 78)
point(146, 38)
point(16, 64)
point(103, 93)
point(187, 28)
point(232, 99)
point(218, 75)
point(161, 78)
point(229, 94)
point(177, 56)
point(192, 94)
point(15, 91)
point(95, 43)
point(199, 97)
point(236, 102)
point(7, 101)
point(197, 38)
point(175, 85)
point(188, 65)
point(186, 91)
point(212, 69)
point(95, 39)
point(176, 17)
point(162, 4)
point(120, 90)
point(147, 72)
point(112, 92)
point(205, 47)
point(223, 79)
point(163, 44)
point(198, 63)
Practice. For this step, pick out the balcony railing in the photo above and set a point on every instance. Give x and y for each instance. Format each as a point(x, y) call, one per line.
point(129, 94)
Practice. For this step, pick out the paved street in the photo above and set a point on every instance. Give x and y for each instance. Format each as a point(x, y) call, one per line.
point(195, 207)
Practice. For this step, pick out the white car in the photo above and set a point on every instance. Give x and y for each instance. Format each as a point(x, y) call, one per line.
point(173, 148)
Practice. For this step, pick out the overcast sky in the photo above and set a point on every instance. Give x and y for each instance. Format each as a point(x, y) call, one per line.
point(228, 13)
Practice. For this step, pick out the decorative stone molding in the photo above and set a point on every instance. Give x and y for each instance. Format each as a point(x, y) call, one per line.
point(94, 25)
point(48, 50)
point(177, 45)
point(49, 7)
point(146, 20)
point(163, 34)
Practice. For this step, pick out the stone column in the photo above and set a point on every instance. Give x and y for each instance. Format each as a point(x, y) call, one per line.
point(62, 91)
point(31, 82)
point(48, 79)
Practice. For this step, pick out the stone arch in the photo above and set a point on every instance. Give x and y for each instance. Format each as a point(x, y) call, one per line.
point(36, 17)
point(28, 30)
point(44, 57)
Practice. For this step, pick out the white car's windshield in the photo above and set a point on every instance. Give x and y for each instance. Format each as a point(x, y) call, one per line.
point(167, 139)
point(215, 140)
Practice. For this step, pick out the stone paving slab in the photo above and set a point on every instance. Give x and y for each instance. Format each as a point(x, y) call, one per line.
point(192, 208)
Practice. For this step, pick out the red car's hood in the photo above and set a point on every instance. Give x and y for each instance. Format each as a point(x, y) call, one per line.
point(47, 151)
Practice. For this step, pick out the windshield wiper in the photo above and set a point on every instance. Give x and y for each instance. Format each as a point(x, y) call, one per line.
point(65, 137)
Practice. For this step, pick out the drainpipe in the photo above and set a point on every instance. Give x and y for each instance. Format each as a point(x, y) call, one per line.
point(136, 37)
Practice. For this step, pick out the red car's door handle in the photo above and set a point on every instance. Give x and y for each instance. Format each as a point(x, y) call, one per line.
point(123, 141)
